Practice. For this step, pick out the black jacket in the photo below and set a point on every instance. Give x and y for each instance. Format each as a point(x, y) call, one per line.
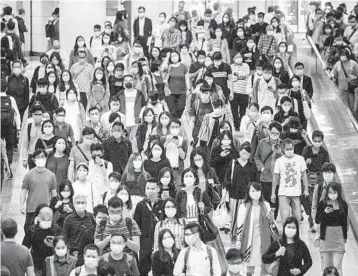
point(212, 26)
point(160, 268)
point(147, 28)
point(307, 85)
point(301, 254)
point(18, 87)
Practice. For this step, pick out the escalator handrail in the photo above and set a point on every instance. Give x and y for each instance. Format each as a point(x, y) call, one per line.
point(336, 90)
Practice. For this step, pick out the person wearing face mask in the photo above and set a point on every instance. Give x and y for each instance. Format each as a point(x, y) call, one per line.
point(77, 223)
point(197, 67)
point(156, 38)
point(39, 238)
point(99, 94)
point(250, 54)
point(186, 35)
point(315, 156)
point(56, 48)
point(295, 132)
point(239, 174)
point(61, 263)
point(267, 44)
point(193, 21)
point(315, 26)
point(96, 42)
point(328, 172)
point(332, 215)
point(259, 28)
point(278, 31)
point(91, 255)
point(123, 263)
point(82, 73)
point(39, 72)
point(48, 138)
point(221, 43)
point(199, 262)
point(240, 40)
point(235, 263)
point(254, 218)
point(200, 43)
point(288, 172)
point(147, 214)
point(279, 71)
point(291, 252)
point(145, 129)
point(176, 147)
point(80, 45)
point(254, 76)
point(157, 159)
point(113, 108)
point(283, 54)
point(208, 23)
point(166, 184)
point(18, 87)
point(62, 128)
point(142, 29)
point(39, 186)
point(165, 251)
point(107, 49)
point(116, 81)
point(172, 37)
point(181, 14)
point(285, 112)
point(114, 180)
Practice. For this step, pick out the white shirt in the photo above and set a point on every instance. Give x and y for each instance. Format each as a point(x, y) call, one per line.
point(16, 110)
point(198, 263)
point(141, 26)
point(290, 171)
point(96, 46)
point(130, 103)
point(98, 178)
point(87, 189)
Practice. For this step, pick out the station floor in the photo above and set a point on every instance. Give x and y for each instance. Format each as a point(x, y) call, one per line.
point(10, 206)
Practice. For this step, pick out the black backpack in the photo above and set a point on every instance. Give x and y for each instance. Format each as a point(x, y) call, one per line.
point(50, 29)
point(7, 112)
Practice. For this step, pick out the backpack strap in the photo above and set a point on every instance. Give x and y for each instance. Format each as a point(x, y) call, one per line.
point(232, 169)
point(91, 39)
point(210, 255)
point(84, 155)
point(29, 126)
point(186, 256)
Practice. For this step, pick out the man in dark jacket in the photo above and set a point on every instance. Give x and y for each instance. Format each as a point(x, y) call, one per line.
point(21, 24)
point(147, 214)
point(142, 28)
point(209, 24)
point(306, 81)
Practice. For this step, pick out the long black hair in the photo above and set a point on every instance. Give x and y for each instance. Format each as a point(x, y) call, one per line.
point(62, 186)
point(61, 84)
point(163, 254)
point(290, 220)
point(206, 165)
point(76, 46)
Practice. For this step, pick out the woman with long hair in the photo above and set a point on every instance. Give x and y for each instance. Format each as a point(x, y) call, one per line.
point(227, 26)
point(107, 50)
point(332, 216)
point(48, 138)
point(164, 259)
point(58, 160)
point(172, 222)
point(145, 129)
point(285, 112)
point(52, 82)
point(251, 54)
point(135, 178)
point(80, 44)
point(166, 182)
point(155, 56)
point(279, 71)
point(284, 55)
point(162, 127)
point(221, 43)
point(254, 217)
point(62, 204)
point(56, 60)
point(99, 95)
point(292, 252)
point(278, 32)
point(124, 194)
point(65, 83)
point(122, 45)
point(186, 35)
point(156, 159)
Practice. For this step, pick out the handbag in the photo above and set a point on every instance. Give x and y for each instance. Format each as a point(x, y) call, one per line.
point(209, 229)
point(272, 268)
point(221, 216)
point(306, 108)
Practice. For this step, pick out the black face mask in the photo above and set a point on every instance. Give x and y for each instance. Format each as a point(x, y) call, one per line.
point(128, 85)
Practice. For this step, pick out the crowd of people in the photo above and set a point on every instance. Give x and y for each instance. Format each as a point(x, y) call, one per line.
point(142, 154)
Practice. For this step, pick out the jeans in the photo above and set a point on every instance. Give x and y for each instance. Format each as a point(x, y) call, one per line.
point(307, 204)
point(240, 101)
point(285, 203)
point(176, 104)
point(9, 135)
point(145, 263)
point(332, 259)
point(28, 221)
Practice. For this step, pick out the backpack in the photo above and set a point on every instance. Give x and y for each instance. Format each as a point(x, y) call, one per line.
point(210, 255)
point(50, 29)
point(7, 112)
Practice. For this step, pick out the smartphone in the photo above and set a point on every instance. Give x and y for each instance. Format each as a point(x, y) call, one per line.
point(66, 206)
point(175, 137)
point(49, 238)
point(330, 205)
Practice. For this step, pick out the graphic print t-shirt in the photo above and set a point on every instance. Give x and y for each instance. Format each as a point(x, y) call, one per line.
point(290, 171)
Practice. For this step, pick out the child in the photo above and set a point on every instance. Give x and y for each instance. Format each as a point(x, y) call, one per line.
point(63, 129)
point(114, 179)
point(113, 108)
point(91, 258)
point(123, 263)
point(234, 260)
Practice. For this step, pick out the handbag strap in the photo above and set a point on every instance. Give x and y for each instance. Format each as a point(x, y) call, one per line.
point(352, 34)
point(344, 70)
point(269, 47)
point(84, 155)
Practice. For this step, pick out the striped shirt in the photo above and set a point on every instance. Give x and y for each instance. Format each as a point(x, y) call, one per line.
point(240, 74)
point(176, 227)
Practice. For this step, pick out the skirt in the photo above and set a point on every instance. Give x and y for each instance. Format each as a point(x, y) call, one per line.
point(334, 240)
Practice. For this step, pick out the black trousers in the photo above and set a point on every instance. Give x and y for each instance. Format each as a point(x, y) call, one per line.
point(145, 261)
point(143, 43)
point(267, 192)
point(83, 96)
point(241, 102)
point(28, 221)
point(176, 105)
point(9, 135)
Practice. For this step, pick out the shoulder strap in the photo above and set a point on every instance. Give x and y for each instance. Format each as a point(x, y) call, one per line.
point(78, 271)
point(43, 142)
point(344, 70)
point(252, 80)
point(29, 126)
point(352, 34)
point(186, 256)
point(52, 266)
point(151, 210)
point(232, 169)
point(84, 155)
point(267, 157)
point(210, 254)
point(91, 39)
point(269, 47)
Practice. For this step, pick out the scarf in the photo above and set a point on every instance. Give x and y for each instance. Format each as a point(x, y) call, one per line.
point(247, 230)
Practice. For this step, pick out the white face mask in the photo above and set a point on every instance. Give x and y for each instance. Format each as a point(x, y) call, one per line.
point(266, 117)
point(156, 153)
point(65, 194)
point(270, 33)
point(137, 164)
point(40, 162)
point(317, 144)
point(189, 181)
point(91, 263)
point(71, 97)
point(289, 153)
point(113, 185)
point(190, 240)
point(17, 71)
point(61, 252)
point(333, 196)
point(48, 130)
point(226, 143)
point(116, 248)
point(328, 177)
point(80, 208)
point(175, 132)
point(46, 224)
point(295, 84)
point(256, 195)
point(168, 243)
point(80, 43)
point(235, 269)
point(199, 164)
point(165, 181)
point(286, 108)
point(171, 212)
point(290, 233)
point(124, 198)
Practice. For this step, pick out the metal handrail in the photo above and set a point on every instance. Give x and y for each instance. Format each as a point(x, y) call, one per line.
point(336, 90)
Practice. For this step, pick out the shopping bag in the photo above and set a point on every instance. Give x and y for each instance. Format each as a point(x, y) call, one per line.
point(221, 216)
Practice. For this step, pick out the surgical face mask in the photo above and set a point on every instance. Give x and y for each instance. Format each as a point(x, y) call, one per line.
point(250, 45)
point(293, 130)
point(252, 17)
point(259, 72)
point(106, 40)
point(174, 131)
point(343, 58)
point(149, 118)
point(190, 240)
point(113, 185)
point(333, 196)
point(117, 135)
point(40, 163)
point(99, 76)
point(156, 153)
point(282, 49)
point(123, 197)
point(168, 243)
point(17, 71)
point(80, 43)
point(269, 33)
point(183, 28)
point(274, 24)
point(141, 14)
point(80, 208)
point(71, 97)
point(225, 19)
point(171, 212)
point(65, 194)
point(238, 60)
point(137, 164)
point(199, 164)
point(235, 268)
point(128, 85)
point(110, 68)
point(255, 195)
point(97, 33)
point(189, 181)
point(278, 65)
point(56, 47)
point(46, 224)
point(290, 233)
point(266, 117)
point(295, 84)
point(217, 112)
point(60, 147)
point(137, 50)
point(289, 153)
point(165, 181)
point(66, 78)
point(328, 177)
point(226, 143)
point(81, 174)
point(117, 248)
point(240, 34)
point(317, 144)
point(266, 76)
point(299, 72)
point(161, 19)
point(61, 252)
point(115, 217)
point(48, 130)
point(285, 108)
point(91, 263)
point(174, 58)
point(201, 60)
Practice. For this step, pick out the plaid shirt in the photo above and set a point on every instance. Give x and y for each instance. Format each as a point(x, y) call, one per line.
point(264, 45)
point(176, 227)
point(171, 37)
